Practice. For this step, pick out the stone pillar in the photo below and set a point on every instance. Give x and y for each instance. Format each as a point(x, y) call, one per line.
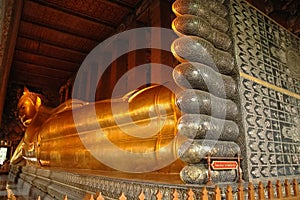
point(10, 14)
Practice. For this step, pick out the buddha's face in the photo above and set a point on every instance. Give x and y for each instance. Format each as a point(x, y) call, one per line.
point(26, 110)
point(27, 107)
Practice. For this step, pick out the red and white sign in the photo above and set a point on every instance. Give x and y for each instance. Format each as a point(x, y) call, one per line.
point(218, 165)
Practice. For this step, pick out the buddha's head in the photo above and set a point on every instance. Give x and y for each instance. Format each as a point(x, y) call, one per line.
point(28, 107)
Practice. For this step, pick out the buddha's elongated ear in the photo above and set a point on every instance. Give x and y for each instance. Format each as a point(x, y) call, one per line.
point(25, 90)
point(38, 102)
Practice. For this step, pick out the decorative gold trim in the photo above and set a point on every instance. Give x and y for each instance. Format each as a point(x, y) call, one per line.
point(269, 85)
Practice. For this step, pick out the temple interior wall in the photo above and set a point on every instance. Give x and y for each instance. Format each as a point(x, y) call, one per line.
point(268, 58)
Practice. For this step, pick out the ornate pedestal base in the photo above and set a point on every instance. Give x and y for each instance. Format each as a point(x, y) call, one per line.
point(51, 184)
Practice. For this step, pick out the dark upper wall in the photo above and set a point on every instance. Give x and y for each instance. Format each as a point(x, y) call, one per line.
point(285, 12)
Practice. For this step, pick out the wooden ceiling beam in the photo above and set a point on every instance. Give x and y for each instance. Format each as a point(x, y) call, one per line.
point(32, 75)
point(57, 38)
point(72, 24)
point(31, 37)
point(36, 76)
point(122, 4)
point(34, 84)
point(75, 13)
point(59, 30)
point(41, 70)
point(29, 79)
point(46, 61)
point(49, 50)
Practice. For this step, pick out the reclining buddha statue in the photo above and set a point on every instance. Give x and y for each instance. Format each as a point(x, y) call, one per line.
point(144, 131)
point(52, 138)
point(167, 128)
